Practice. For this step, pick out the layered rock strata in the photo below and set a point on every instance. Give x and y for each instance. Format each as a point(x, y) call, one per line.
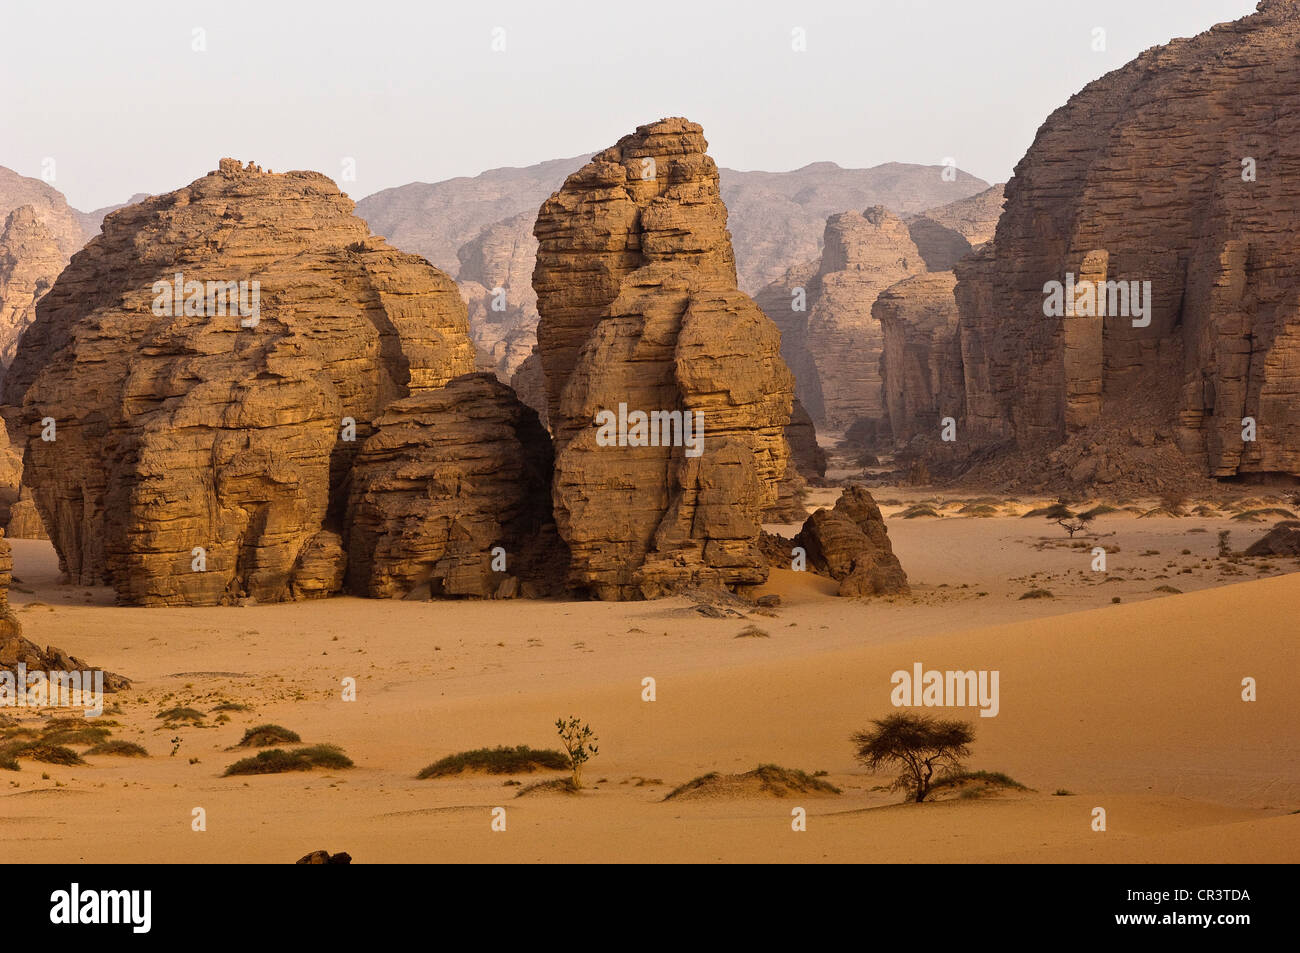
point(1171, 179)
point(666, 392)
point(190, 444)
point(450, 496)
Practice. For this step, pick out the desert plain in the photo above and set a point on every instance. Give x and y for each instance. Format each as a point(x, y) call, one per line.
point(1134, 706)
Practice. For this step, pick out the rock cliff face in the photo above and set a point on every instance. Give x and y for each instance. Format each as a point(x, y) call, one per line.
point(449, 476)
point(947, 234)
point(640, 315)
point(190, 452)
point(480, 230)
point(829, 337)
point(1178, 169)
point(495, 279)
point(921, 364)
point(39, 232)
point(778, 218)
point(30, 260)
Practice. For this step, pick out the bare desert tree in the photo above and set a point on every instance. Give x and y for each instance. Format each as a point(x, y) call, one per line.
point(918, 744)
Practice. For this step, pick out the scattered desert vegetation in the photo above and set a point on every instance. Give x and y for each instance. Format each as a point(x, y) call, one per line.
point(264, 736)
point(278, 761)
point(499, 760)
point(767, 780)
point(579, 743)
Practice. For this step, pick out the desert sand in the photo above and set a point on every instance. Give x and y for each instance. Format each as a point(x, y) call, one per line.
point(1134, 707)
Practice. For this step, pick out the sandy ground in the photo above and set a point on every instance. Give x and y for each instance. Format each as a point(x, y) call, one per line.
point(1133, 706)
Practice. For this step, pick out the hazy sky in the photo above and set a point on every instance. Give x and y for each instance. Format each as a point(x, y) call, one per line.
point(413, 91)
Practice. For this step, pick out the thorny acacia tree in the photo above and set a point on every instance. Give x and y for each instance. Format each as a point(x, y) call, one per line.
point(917, 743)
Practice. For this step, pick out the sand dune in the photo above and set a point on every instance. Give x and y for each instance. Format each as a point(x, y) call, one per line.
point(1133, 707)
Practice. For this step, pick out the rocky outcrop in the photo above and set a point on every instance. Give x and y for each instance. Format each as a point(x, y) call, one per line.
point(495, 279)
point(778, 218)
point(864, 254)
point(30, 260)
point(829, 337)
point(451, 496)
point(921, 364)
point(1174, 171)
point(1282, 540)
point(24, 519)
point(640, 316)
point(51, 208)
point(192, 453)
point(11, 477)
point(946, 234)
point(851, 545)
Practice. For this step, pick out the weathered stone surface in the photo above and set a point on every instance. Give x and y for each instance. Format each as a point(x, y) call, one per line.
point(30, 260)
point(529, 384)
point(778, 218)
point(11, 476)
point(495, 279)
point(639, 311)
point(805, 451)
point(448, 476)
point(921, 363)
point(51, 208)
point(1282, 540)
point(1144, 176)
point(24, 519)
point(946, 234)
point(851, 545)
point(829, 337)
point(786, 301)
point(184, 431)
point(864, 254)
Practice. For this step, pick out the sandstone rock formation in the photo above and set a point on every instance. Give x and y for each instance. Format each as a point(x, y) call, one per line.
point(39, 232)
point(495, 279)
point(829, 336)
point(1282, 540)
point(30, 260)
point(946, 234)
point(448, 476)
point(11, 478)
point(778, 218)
point(921, 363)
point(529, 384)
point(63, 222)
point(198, 455)
point(801, 435)
point(24, 519)
point(639, 314)
point(1172, 170)
point(851, 545)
